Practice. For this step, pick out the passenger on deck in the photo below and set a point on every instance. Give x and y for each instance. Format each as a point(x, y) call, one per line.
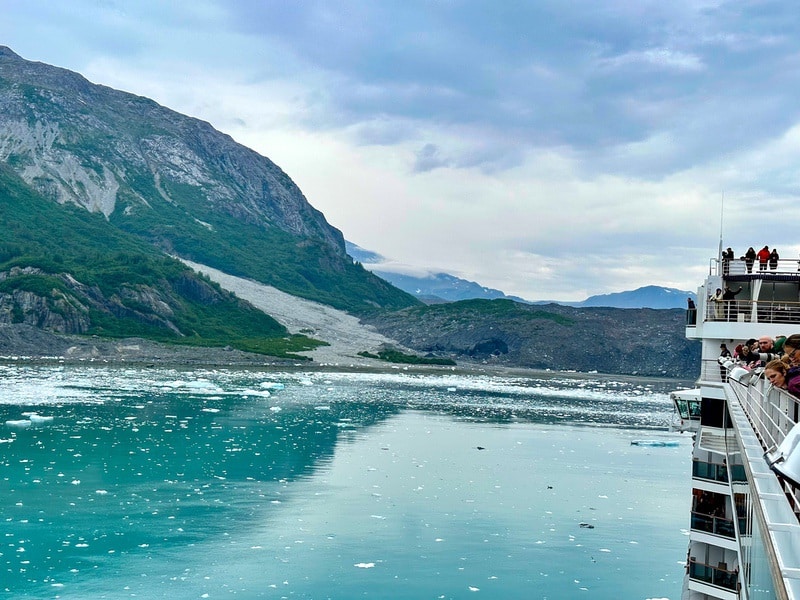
point(749, 258)
point(727, 296)
point(767, 344)
point(781, 375)
point(716, 302)
point(773, 259)
point(727, 257)
point(791, 349)
point(747, 356)
point(775, 373)
point(766, 350)
point(763, 258)
point(724, 353)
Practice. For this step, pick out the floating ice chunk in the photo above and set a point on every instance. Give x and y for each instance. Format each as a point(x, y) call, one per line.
point(472, 588)
point(364, 565)
point(210, 410)
point(272, 385)
point(322, 408)
point(305, 382)
point(20, 424)
point(275, 408)
point(604, 550)
point(451, 389)
point(40, 418)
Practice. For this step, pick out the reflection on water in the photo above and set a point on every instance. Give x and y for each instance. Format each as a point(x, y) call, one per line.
point(155, 483)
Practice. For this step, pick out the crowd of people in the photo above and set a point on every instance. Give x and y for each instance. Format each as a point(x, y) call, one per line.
point(778, 357)
point(765, 257)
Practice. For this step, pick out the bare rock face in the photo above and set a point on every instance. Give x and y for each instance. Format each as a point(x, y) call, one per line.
point(107, 151)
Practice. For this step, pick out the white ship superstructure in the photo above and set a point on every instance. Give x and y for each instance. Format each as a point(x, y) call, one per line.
point(744, 539)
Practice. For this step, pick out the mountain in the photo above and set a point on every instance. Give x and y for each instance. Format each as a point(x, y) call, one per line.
point(174, 183)
point(101, 191)
point(429, 288)
point(435, 287)
point(506, 333)
point(650, 296)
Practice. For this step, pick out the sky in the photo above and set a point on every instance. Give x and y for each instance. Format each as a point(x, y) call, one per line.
point(553, 150)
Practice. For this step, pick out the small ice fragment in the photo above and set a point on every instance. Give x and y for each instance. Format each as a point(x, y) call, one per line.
point(210, 410)
point(472, 588)
point(100, 492)
point(275, 408)
point(364, 565)
point(40, 418)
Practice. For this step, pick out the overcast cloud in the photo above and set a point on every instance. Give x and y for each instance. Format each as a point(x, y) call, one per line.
point(550, 149)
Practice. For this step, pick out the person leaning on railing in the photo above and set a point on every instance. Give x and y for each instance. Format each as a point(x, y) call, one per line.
point(791, 349)
point(787, 377)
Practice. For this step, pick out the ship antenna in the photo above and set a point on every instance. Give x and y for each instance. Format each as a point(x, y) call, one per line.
point(721, 215)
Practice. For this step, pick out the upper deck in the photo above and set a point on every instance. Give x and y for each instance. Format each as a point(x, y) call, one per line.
point(768, 303)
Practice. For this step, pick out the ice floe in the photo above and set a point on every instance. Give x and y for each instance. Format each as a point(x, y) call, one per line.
point(272, 385)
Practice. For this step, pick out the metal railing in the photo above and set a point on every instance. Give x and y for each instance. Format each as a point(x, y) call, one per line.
point(738, 266)
point(752, 311)
point(772, 413)
point(718, 576)
point(711, 524)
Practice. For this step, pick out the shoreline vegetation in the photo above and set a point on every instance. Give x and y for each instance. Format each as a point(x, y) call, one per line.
point(17, 347)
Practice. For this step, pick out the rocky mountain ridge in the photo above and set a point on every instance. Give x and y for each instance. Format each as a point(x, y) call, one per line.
point(45, 129)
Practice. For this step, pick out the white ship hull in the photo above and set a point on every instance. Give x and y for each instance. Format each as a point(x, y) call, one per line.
point(744, 539)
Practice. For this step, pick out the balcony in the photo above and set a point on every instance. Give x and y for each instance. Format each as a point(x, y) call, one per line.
point(718, 576)
point(710, 471)
point(714, 525)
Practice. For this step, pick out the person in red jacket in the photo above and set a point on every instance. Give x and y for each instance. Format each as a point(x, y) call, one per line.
point(763, 257)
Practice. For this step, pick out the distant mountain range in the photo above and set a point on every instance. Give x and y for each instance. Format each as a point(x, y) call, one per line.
point(442, 287)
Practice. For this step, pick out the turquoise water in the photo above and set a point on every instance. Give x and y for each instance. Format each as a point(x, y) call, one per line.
point(159, 483)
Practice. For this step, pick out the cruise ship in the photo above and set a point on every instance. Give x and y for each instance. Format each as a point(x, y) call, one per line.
point(744, 535)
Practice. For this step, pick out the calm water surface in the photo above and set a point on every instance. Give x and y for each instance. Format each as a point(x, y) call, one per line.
point(159, 483)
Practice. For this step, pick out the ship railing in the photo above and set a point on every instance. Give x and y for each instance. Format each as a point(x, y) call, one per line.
point(772, 413)
point(737, 266)
point(711, 370)
point(753, 311)
point(718, 576)
point(710, 524)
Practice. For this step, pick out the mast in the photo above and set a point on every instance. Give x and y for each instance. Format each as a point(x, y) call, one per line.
point(721, 215)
